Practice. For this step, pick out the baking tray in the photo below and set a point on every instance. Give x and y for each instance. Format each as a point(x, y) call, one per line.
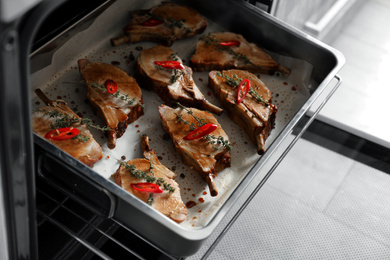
point(55, 71)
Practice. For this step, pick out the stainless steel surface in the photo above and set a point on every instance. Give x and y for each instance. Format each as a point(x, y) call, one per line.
point(320, 27)
point(11, 10)
point(273, 35)
point(360, 106)
point(321, 19)
point(43, 55)
point(15, 148)
point(16, 145)
point(3, 232)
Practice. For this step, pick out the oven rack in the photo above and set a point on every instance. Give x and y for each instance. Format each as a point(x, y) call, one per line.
point(68, 228)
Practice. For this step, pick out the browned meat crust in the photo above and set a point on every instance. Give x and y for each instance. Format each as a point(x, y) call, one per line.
point(257, 118)
point(205, 157)
point(178, 22)
point(117, 111)
point(88, 152)
point(168, 203)
point(171, 85)
point(211, 55)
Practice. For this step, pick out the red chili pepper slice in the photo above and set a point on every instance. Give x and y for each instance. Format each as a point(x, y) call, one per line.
point(230, 43)
point(111, 86)
point(146, 187)
point(62, 133)
point(152, 22)
point(170, 64)
point(242, 90)
point(201, 131)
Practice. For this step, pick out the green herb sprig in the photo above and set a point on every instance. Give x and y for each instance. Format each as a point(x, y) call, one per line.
point(212, 40)
point(65, 120)
point(81, 138)
point(171, 23)
point(199, 121)
point(235, 81)
point(148, 176)
point(125, 97)
point(218, 141)
point(176, 73)
point(211, 139)
point(150, 199)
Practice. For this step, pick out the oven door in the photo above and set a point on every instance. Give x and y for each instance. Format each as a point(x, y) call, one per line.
point(19, 21)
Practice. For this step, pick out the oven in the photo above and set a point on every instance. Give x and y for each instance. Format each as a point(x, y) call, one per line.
point(55, 207)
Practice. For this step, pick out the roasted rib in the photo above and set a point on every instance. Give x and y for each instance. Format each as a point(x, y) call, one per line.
point(168, 202)
point(171, 85)
point(226, 50)
point(84, 149)
point(255, 114)
point(164, 24)
point(118, 109)
point(207, 155)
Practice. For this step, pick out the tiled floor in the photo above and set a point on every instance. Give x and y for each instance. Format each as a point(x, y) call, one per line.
point(333, 201)
point(329, 207)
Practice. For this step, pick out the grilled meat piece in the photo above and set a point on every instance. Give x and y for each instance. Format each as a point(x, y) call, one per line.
point(226, 50)
point(171, 85)
point(255, 114)
point(168, 202)
point(205, 157)
point(118, 109)
point(87, 151)
point(164, 24)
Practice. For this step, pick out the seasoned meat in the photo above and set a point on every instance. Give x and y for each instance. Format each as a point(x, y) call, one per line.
point(255, 114)
point(207, 155)
point(85, 149)
point(164, 24)
point(169, 201)
point(226, 50)
point(118, 109)
point(171, 85)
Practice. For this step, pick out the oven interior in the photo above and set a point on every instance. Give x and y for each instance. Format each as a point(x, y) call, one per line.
point(71, 224)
